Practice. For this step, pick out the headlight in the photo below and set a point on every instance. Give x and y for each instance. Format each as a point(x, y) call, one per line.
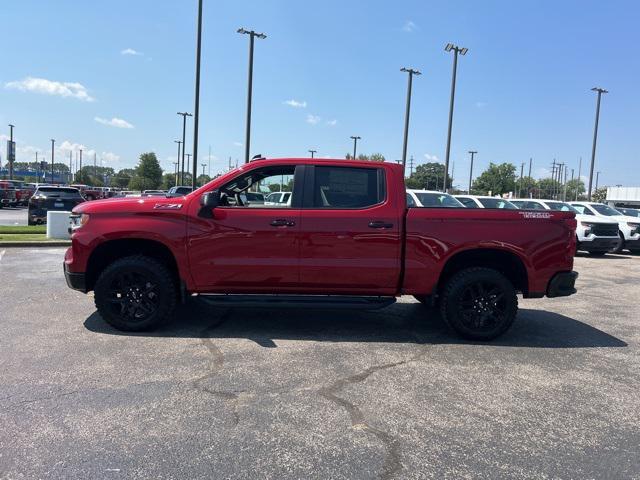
point(633, 225)
point(76, 221)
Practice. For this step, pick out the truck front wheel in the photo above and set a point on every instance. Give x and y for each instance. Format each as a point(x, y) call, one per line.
point(479, 303)
point(135, 293)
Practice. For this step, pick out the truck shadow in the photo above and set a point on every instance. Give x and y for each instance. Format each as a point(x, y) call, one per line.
point(399, 323)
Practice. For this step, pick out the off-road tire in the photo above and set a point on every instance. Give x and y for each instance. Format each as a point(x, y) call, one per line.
point(135, 285)
point(481, 320)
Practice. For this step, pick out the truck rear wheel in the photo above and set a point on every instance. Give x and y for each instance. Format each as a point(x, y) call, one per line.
point(135, 293)
point(479, 303)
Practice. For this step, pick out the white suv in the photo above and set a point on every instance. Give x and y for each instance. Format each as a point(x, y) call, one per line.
point(431, 198)
point(629, 227)
point(480, 201)
point(595, 235)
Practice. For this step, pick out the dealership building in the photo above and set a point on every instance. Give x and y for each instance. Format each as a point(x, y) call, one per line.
point(623, 196)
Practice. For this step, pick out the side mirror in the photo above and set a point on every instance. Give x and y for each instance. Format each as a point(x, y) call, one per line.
point(210, 199)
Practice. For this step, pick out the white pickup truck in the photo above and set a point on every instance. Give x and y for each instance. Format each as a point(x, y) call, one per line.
point(629, 227)
point(595, 235)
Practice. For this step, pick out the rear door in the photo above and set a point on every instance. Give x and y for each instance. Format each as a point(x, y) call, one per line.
point(349, 231)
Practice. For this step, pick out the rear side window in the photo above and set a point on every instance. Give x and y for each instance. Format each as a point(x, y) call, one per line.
point(468, 202)
point(59, 192)
point(348, 187)
point(410, 201)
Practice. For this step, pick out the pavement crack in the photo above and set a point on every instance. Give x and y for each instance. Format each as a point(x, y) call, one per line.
point(392, 460)
point(217, 363)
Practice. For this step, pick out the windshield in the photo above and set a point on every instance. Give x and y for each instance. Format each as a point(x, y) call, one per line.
point(437, 200)
point(561, 207)
point(631, 212)
point(605, 209)
point(497, 203)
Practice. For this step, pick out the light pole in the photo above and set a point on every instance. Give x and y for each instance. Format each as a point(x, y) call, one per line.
point(472, 152)
point(203, 165)
point(355, 139)
point(252, 34)
point(188, 155)
point(411, 73)
point(196, 108)
point(179, 142)
point(600, 91)
point(184, 145)
point(462, 51)
point(80, 161)
point(52, 157)
point(521, 175)
point(312, 152)
point(597, 178)
point(175, 169)
point(12, 152)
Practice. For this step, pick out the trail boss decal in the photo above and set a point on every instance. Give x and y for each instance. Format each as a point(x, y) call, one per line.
point(535, 214)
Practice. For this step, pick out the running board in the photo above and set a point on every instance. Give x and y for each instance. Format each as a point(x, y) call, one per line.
point(286, 301)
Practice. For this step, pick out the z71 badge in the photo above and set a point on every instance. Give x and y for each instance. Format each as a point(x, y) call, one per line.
point(167, 206)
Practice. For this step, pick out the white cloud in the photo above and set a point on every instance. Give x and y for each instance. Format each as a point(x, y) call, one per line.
point(131, 51)
point(431, 158)
point(50, 87)
point(109, 158)
point(114, 122)
point(295, 103)
point(237, 144)
point(332, 123)
point(313, 119)
point(409, 26)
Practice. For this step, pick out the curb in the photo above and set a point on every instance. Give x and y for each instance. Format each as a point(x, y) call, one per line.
point(54, 243)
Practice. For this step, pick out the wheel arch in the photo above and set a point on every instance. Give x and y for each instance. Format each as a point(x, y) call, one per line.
point(504, 261)
point(111, 250)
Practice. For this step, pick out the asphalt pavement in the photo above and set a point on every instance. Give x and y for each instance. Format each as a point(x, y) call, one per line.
point(288, 394)
point(13, 216)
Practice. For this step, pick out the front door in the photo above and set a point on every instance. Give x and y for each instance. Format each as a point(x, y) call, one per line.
point(248, 246)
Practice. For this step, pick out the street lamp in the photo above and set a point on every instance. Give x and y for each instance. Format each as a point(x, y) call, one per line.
point(52, 157)
point(196, 110)
point(252, 34)
point(600, 91)
point(11, 154)
point(462, 51)
point(184, 145)
point(411, 73)
point(179, 142)
point(355, 144)
point(472, 152)
point(312, 152)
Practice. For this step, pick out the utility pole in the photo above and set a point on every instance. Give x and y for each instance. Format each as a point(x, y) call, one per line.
point(600, 91)
point(179, 142)
point(53, 142)
point(597, 178)
point(530, 162)
point(188, 155)
point(355, 139)
point(203, 165)
point(11, 154)
point(472, 152)
point(579, 173)
point(521, 175)
point(410, 166)
point(252, 35)
point(312, 152)
point(462, 51)
point(196, 108)
point(411, 73)
point(175, 169)
point(564, 196)
point(184, 145)
point(80, 160)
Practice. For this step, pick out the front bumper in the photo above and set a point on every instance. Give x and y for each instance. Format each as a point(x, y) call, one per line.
point(75, 280)
point(599, 244)
point(562, 284)
point(633, 244)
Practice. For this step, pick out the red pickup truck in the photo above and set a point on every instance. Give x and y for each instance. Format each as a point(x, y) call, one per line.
point(344, 239)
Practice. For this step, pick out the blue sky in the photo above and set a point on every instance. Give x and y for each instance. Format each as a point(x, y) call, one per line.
point(111, 76)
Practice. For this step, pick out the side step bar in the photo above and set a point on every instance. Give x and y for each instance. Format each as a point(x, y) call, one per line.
point(307, 301)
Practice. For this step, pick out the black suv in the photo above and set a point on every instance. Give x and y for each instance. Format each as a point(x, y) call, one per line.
point(51, 198)
point(179, 191)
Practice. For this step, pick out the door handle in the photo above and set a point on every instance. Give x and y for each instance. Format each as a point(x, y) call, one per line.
point(282, 222)
point(379, 224)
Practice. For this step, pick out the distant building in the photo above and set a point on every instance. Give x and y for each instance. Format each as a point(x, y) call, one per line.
point(623, 196)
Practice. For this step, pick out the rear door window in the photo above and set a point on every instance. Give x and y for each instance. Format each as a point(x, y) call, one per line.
point(347, 187)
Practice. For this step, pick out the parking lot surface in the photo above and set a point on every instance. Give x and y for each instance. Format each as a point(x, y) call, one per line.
point(249, 393)
point(13, 216)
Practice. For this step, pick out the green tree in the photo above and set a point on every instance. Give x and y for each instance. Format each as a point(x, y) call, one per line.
point(123, 177)
point(376, 157)
point(527, 186)
point(428, 176)
point(497, 179)
point(600, 195)
point(202, 179)
point(575, 186)
point(148, 173)
point(168, 181)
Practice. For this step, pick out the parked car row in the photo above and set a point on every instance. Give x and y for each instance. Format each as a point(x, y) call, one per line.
point(600, 228)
